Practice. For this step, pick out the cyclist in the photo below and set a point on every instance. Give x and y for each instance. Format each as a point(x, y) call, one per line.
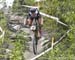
point(34, 14)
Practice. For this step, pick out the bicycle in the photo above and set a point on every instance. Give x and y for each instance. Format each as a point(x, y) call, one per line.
point(35, 29)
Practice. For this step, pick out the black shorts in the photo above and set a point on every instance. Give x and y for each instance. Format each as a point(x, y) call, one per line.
point(32, 18)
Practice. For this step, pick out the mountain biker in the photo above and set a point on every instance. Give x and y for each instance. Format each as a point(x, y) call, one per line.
point(34, 14)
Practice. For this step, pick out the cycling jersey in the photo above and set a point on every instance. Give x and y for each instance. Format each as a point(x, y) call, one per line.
point(36, 16)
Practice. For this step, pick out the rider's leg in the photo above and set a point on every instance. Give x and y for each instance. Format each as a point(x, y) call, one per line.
point(30, 22)
point(40, 20)
point(26, 22)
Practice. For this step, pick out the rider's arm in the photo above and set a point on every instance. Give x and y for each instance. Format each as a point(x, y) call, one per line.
point(41, 19)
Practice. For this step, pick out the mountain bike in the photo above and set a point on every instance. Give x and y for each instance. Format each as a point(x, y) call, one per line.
point(35, 29)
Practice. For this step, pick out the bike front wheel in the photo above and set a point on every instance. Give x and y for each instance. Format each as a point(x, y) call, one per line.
point(35, 46)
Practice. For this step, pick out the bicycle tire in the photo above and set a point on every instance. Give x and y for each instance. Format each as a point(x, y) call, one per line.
point(35, 46)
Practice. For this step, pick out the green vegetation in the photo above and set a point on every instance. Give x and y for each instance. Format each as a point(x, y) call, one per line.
point(17, 47)
point(64, 9)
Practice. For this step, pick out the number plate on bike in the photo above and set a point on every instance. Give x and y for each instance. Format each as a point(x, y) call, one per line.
point(33, 28)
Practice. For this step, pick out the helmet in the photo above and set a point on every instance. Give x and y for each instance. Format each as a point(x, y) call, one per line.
point(33, 10)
